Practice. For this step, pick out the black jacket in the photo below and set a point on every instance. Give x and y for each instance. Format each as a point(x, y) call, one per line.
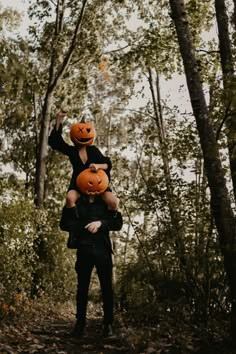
point(88, 212)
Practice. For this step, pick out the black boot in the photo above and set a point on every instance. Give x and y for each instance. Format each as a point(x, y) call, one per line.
point(75, 212)
point(69, 218)
point(112, 213)
point(71, 213)
point(107, 330)
point(78, 330)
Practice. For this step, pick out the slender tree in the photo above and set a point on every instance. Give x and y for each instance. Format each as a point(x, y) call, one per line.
point(220, 201)
point(227, 65)
point(53, 79)
point(177, 230)
point(234, 14)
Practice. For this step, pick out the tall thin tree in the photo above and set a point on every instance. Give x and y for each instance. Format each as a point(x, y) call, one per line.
point(53, 80)
point(220, 201)
point(227, 65)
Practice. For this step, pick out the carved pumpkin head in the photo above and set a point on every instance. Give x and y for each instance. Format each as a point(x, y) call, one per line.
point(92, 182)
point(82, 133)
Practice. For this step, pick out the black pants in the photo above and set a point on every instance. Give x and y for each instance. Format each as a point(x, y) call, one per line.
point(87, 258)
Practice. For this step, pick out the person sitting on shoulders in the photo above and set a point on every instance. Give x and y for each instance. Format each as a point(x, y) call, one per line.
point(82, 155)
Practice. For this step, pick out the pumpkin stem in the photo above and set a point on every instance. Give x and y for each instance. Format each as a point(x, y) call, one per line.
point(82, 120)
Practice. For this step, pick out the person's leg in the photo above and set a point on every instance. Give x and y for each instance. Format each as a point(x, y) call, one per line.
point(103, 265)
point(111, 200)
point(84, 266)
point(70, 209)
point(71, 198)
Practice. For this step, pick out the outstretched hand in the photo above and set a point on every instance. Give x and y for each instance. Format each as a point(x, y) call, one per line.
point(60, 117)
point(61, 114)
point(93, 226)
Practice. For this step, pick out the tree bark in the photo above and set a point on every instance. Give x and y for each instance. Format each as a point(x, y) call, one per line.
point(54, 78)
point(234, 15)
point(228, 72)
point(41, 162)
point(220, 201)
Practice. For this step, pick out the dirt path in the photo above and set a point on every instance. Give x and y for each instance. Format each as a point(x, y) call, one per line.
point(51, 334)
point(39, 329)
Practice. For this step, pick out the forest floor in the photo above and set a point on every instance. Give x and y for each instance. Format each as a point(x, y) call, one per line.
point(48, 331)
point(45, 330)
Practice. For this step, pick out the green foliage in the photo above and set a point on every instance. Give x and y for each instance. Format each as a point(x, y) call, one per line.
point(16, 84)
point(151, 256)
point(32, 245)
point(156, 268)
point(9, 19)
point(18, 233)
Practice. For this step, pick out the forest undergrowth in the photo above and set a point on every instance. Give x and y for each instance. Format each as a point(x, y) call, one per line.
point(41, 327)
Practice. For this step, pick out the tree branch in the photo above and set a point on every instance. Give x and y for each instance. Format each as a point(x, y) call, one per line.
point(71, 49)
point(226, 116)
point(53, 3)
point(207, 51)
point(135, 111)
point(117, 50)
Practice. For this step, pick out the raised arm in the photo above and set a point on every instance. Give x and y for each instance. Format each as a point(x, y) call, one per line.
point(55, 139)
point(59, 119)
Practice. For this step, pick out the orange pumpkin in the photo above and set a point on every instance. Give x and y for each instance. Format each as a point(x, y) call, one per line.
point(82, 133)
point(92, 182)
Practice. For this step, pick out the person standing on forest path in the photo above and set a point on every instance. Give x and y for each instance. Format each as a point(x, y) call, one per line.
point(94, 249)
point(82, 155)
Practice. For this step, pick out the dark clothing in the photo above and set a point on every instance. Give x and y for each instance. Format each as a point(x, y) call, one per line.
point(93, 250)
point(86, 213)
point(87, 258)
point(57, 142)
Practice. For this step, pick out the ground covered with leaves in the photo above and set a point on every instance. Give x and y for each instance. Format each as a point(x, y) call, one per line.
point(45, 329)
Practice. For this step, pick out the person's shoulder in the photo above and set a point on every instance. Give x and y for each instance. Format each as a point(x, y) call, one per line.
point(92, 147)
point(99, 201)
point(83, 203)
point(73, 147)
point(98, 198)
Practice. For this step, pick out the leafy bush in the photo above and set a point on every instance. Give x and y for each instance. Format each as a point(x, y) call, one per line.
point(33, 251)
point(18, 233)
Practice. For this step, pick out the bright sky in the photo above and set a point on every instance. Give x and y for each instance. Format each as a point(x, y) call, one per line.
point(169, 89)
point(21, 6)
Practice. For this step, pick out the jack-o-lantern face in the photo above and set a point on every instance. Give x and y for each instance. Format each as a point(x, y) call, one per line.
point(82, 133)
point(92, 182)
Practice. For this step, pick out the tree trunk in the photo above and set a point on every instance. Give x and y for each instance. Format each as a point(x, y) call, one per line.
point(220, 201)
point(176, 230)
point(54, 78)
point(234, 15)
point(228, 72)
point(42, 151)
